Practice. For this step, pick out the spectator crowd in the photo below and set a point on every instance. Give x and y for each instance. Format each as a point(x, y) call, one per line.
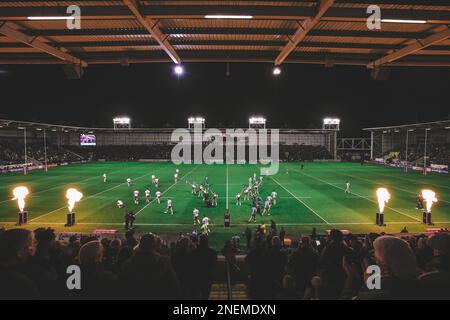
point(33, 265)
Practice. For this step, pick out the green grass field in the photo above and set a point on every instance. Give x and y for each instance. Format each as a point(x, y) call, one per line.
point(310, 198)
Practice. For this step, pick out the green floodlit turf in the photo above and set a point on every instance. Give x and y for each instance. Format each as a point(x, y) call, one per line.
point(310, 198)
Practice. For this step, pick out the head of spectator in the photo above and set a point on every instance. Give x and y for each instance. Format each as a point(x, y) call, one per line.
point(91, 253)
point(16, 246)
point(336, 236)
point(116, 244)
point(183, 245)
point(124, 254)
point(276, 243)
point(440, 243)
point(228, 245)
point(305, 242)
point(44, 236)
point(149, 243)
point(395, 257)
point(203, 241)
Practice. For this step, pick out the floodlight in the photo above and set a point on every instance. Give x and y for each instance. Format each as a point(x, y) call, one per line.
point(192, 121)
point(178, 70)
point(331, 124)
point(122, 120)
point(276, 71)
point(122, 123)
point(403, 21)
point(257, 122)
point(228, 16)
point(51, 18)
point(331, 121)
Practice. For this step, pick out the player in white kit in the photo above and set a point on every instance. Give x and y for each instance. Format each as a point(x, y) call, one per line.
point(169, 207)
point(104, 177)
point(176, 177)
point(136, 197)
point(347, 187)
point(196, 214)
point(266, 208)
point(214, 199)
point(156, 183)
point(153, 179)
point(247, 194)
point(254, 213)
point(205, 221)
point(270, 199)
point(274, 197)
point(147, 195)
point(158, 196)
point(119, 204)
point(194, 188)
point(129, 182)
point(239, 199)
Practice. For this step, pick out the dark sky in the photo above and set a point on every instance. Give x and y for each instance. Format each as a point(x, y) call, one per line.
point(153, 96)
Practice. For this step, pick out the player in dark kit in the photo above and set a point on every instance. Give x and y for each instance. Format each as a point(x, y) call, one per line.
point(129, 220)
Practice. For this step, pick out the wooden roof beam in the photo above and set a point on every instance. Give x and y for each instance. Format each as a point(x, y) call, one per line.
point(418, 45)
point(305, 27)
point(153, 29)
point(7, 29)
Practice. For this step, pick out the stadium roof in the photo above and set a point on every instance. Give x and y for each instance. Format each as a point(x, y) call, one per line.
point(445, 124)
point(328, 32)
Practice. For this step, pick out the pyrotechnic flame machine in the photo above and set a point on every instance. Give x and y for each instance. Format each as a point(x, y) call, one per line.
point(73, 196)
point(430, 198)
point(383, 196)
point(20, 193)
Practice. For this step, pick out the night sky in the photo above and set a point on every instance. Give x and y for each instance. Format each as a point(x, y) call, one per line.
point(154, 97)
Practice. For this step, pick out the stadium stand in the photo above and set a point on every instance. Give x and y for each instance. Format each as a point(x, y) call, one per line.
point(33, 264)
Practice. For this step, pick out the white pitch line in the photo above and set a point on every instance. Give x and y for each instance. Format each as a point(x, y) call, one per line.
point(173, 185)
point(362, 197)
point(227, 189)
point(301, 201)
point(92, 196)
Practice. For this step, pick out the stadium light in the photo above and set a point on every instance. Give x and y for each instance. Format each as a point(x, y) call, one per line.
point(331, 121)
point(228, 16)
point(179, 70)
point(122, 123)
point(40, 18)
point(331, 124)
point(122, 120)
point(257, 122)
point(276, 71)
point(404, 21)
point(192, 121)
